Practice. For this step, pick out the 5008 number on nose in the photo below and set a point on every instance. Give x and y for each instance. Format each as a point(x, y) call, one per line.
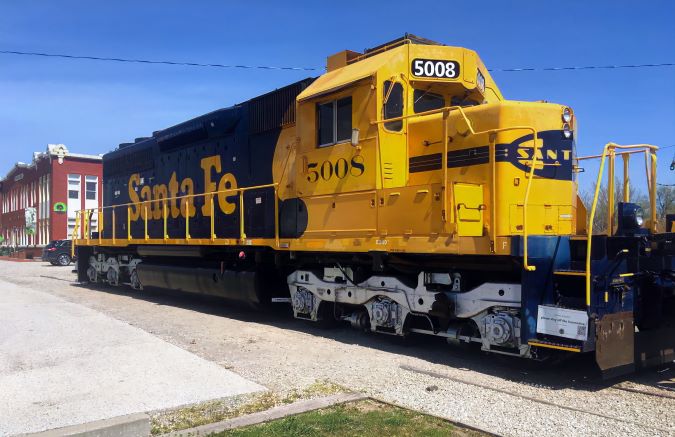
point(435, 68)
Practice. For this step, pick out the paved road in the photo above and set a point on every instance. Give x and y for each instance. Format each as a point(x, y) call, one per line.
point(62, 363)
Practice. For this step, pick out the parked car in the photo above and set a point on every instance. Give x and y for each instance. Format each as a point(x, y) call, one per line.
point(58, 253)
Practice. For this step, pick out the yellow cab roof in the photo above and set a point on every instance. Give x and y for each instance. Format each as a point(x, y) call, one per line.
point(360, 67)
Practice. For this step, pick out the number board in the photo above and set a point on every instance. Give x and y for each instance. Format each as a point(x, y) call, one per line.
point(435, 68)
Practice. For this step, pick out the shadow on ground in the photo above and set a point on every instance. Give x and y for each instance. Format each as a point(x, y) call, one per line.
point(578, 372)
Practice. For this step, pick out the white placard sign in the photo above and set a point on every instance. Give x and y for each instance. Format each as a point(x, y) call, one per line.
point(562, 322)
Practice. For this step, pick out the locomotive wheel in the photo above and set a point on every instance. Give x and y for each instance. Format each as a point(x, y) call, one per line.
point(113, 277)
point(135, 281)
point(92, 275)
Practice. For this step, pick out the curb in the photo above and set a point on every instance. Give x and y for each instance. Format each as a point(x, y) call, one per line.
point(132, 425)
point(18, 260)
point(268, 415)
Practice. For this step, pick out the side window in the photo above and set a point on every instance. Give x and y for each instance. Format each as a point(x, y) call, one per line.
point(91, 187)
point(457, 101)
point(393, 104)
point(426, 101)
point(334, 120)
point(325, 122)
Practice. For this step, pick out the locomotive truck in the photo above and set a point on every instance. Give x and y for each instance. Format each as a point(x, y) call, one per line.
point(402, 193)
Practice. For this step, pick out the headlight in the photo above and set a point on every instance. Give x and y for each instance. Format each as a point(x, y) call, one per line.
point(567, 115)
point(630, 219)
point(639, 217)
point(567, 132)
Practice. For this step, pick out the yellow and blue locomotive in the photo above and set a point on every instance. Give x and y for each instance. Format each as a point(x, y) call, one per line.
point(399, 192)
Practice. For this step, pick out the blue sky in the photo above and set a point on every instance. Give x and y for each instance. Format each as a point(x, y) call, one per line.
point(92, 106)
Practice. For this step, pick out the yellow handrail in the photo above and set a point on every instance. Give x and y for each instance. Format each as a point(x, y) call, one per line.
point(610, 149)
point(114, 237)
point(165, 217)
point(75, 234)
point(445, 111)
point(210, 195)
point(213, 219)
point(187, 220)
point(100, 226)
point(590, 226)
point(610, 189)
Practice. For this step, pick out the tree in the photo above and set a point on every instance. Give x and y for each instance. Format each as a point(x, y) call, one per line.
point(665, 204)
point(602, 209)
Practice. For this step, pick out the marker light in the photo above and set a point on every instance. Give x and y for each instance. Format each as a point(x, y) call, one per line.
point(567, 132)
point(567, 115)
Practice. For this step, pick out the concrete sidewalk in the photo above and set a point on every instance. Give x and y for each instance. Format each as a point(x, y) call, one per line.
point(63, 364)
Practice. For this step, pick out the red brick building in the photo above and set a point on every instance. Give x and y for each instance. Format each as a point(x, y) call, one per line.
point(38, 201)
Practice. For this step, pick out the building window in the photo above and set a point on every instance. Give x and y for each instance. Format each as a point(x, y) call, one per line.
point(74, 186)
point(425, 101)
point(91, 187)
point(334, 121)
point(392, 105)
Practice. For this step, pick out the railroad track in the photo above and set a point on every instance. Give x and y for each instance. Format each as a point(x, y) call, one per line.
point(669, 392)
point(665, 394)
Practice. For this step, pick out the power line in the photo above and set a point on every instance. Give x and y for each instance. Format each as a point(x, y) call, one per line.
point(145, 61)
point(267, 67)
point(584, 67)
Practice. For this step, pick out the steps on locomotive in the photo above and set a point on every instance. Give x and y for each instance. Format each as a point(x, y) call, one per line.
point(550, 343)
point(570, 281)
point(570, 288)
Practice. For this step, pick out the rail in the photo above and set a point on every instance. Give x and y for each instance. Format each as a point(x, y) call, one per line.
point(650, 167)
point(445, 111)
point(83, 216)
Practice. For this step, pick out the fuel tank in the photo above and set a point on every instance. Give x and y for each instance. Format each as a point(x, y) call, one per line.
point(242, 287)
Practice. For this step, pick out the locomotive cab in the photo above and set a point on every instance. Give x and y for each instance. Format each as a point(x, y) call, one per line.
point(434, 131)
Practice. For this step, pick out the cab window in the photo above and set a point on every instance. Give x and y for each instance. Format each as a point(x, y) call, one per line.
point(462, 101)
point(426, 101)
point(334, 121)
point(393, 105)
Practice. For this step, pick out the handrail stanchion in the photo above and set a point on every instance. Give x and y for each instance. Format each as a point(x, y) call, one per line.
point(80, 225)
point(187, 220)
point(145, 220)
point(626, 178)
point(242, 234)
point(73, 236)
point(129, 223)
point(649, 179)
point(444, 160)
point(100, 225)
point(114, 236)
point(86, 225)
point(276, 215)
point(526, 201)
point(610, 193)
point(652, 193)
point(213, 219)
point(493, 191)
point(164, 219)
